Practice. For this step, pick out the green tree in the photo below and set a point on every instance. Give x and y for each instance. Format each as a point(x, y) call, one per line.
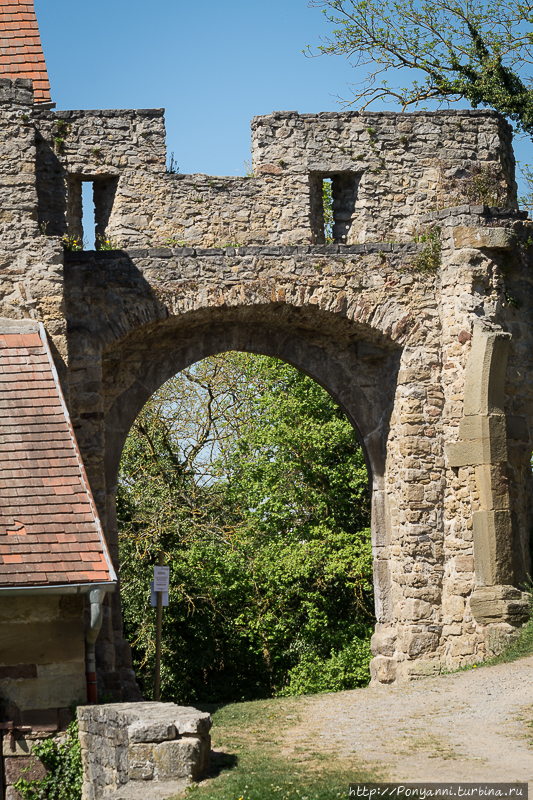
point(463, 50)
point(261, 507)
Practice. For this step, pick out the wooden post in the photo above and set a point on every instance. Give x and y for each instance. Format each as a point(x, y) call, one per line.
point(159, 621)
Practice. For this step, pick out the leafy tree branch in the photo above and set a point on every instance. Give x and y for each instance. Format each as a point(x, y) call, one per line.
point(465, 50)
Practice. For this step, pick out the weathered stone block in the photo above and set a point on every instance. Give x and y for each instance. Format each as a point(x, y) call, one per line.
point(495, 604)
point(193, 721)
point(423, 668)
point(483, 427)
point(182, 758)
point(416, 644)
point(23, 746)
point(141, 762)
point(485, 373)
point(462, 646)
point(484, 238)
point(476, 451)
point(383, 670)
point(157, 731)
point(493, 541)
point(383, 642)
point(414, 493)
point(417, 609)
point(23, 767)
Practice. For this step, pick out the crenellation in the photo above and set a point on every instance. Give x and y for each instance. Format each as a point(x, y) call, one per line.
point(203, 264)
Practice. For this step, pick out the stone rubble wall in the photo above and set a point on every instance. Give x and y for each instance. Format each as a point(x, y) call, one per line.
point(153, 743)
point(96, 146)
point(405, 321)
point(18, 225)
point(384, 169)
point(237, 263)
point(405, 164)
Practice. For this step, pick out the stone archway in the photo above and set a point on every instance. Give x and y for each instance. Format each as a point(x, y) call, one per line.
point(351, 368)
point(391, 344)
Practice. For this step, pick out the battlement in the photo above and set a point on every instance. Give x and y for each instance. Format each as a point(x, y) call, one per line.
point(386, 171)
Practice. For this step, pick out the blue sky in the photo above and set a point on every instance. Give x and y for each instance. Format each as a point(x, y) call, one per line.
point(212, 65)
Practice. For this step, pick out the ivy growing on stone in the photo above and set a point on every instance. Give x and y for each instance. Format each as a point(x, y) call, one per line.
point(64, 777)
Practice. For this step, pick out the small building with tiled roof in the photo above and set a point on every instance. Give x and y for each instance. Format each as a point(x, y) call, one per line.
point(21, 52)
point(52, 549)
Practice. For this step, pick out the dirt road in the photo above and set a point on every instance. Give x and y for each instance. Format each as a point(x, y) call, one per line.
point(470, 726)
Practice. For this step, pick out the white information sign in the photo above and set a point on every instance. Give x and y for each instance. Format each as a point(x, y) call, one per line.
point(153, 596)
point(161, 579)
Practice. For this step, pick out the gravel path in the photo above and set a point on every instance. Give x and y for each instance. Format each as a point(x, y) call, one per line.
point(469, 726)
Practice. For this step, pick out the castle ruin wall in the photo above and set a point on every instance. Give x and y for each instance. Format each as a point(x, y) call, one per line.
point(403, 336)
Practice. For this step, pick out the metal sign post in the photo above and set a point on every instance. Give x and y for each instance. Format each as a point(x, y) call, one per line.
point(161, 582)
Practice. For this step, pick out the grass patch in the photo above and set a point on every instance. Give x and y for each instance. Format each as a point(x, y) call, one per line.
point(250, 762)
point(520, 648)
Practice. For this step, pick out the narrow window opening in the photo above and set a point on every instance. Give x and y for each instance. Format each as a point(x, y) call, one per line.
point(89, 215)
point(89, 207)
point(332, 207)
point(74, 211)
point(327, 205)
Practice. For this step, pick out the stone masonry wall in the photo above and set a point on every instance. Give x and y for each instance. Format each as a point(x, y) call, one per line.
point(399, 334)
point(142, 744)
point(42, 658)
point(387, 169)
point(96, 146)
point(401, 164)
point(366, 313)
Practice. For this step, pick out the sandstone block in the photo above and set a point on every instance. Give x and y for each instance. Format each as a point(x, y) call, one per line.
point(383, 642)
point(493, 487)
point(414, 446)
point(413, 493)
point(462, 646)
point(493, 547)
point(416, 644)
point(453, 606)
point(495, 604)
point(476, 451)
point(417, 609)
point(452, 630)
point(498, 637)
point(482, 427)
point(28, 767)
point(181, 758)
point(383, 670)
point(484, 238)
point(23, 746)
point(423, 668)
point(464, 563)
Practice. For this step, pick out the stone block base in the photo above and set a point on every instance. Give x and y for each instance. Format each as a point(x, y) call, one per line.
point(494, 604)
point(137, 790)
point(131, 750)
point(406, 651)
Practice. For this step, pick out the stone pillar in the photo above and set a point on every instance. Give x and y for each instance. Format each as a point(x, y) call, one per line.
point(483, 445)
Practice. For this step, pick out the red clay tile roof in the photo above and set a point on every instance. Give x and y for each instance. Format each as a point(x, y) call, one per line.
point(49, 529)
point(21, 52)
